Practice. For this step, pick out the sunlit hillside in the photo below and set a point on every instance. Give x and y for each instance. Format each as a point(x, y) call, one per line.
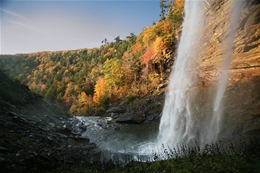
point(87, 80)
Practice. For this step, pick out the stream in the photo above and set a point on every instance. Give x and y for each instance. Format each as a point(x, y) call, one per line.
point(120, 142)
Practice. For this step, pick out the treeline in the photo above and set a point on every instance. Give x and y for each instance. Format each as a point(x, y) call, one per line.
point(86, 80)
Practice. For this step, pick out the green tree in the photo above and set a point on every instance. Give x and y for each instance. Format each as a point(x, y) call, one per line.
point(117, 39)
point(163, 7)
point(113, 74)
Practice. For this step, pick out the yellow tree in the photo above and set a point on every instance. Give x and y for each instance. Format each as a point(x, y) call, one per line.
point(114, 77)
point(83, 98)
point(84, 103)
point(159, 48)
point(100, 88)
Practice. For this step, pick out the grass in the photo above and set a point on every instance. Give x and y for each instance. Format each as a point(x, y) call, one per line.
point(242, 157)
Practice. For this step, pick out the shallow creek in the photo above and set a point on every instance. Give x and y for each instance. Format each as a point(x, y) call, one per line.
point(119, 142)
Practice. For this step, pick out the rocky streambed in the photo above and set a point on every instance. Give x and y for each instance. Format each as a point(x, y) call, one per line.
point(116, 140)
point(37, 138)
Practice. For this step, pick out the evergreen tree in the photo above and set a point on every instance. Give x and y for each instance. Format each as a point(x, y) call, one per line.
point(163, 7)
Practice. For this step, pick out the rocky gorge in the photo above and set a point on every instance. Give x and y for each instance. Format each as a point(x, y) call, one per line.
point(38, 137)
point(42, 142)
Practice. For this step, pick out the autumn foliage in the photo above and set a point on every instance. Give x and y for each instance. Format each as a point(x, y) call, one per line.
point(148, 55)
point(86, 79)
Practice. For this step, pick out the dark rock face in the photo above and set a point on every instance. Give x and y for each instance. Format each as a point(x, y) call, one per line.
point(153, 112)
point(29, 146)
point(146, 110)
point(116, 110)
point(242, 97)
point(135, 118)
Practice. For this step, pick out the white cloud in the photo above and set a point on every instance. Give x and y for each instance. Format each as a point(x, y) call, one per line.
point(20, 20)
point(22, 24)
point(13, 14)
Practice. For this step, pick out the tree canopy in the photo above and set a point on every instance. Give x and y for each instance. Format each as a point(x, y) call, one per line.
point(86, 79)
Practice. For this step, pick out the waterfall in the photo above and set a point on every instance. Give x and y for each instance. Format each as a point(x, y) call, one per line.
point(227, 52)
point(176, 121)
point(179, 122)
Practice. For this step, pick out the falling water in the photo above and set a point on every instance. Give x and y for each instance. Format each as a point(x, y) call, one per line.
point(179, 122)
point(176, 122)
point(227, 57)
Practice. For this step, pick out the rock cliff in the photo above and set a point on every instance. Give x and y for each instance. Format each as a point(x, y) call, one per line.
point(241, 102)
point(246, 55)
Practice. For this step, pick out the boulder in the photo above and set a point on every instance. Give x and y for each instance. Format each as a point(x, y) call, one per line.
point(65, 130)
point(108, 119)
point(135, 118)
point(152, 111)
point(16, 118)
point(116, 110)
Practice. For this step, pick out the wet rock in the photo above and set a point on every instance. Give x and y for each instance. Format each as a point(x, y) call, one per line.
point(11, 131)
point(18, 119)
point(152, 111)
point(95, 155)
point(46, 129)
point(65, 130)
point(115, 116)
point(93, 145)
point(116, 110)
point(108, 120)
point(76, 141)
point(3, 150)
point(82, 127)
point(135, 118)
point(117, 128)
point(74, 121)
point(49, 138)
point(32, 123)
point(31, 135)
point(12, 114)
point(150, 117)
point(76, 133)
point(153, 118)
point(52, 125)
point(17, 154)
point(62, 136)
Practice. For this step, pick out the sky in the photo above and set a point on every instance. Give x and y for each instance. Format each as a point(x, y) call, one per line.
point(47, 25)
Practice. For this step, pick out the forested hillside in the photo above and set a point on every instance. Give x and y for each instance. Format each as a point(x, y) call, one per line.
point(87, 80)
